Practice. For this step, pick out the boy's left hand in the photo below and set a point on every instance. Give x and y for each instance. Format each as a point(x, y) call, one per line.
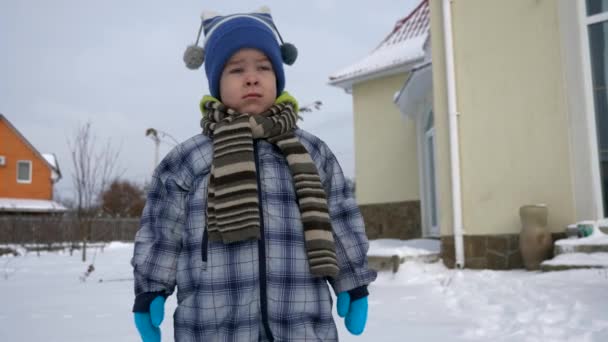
point(355, 312)
point(148, 323)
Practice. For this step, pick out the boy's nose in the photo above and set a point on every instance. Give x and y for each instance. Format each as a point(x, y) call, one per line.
point(251, 79)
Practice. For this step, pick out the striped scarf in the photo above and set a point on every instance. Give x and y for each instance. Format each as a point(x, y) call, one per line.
point(233, 203)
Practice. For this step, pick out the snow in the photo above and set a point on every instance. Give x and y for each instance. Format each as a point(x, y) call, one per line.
point(573, 257)
point(402, 248)
point(579, 259)
point(52, 160)
point(43, 299)
point(383, 59)
point(597, 238)
point(33, 205)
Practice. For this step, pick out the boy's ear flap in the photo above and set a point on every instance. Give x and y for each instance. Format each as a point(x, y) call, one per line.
point(209, 15)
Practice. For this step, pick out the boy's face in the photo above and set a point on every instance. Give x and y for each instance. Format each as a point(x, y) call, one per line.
point(248, 83)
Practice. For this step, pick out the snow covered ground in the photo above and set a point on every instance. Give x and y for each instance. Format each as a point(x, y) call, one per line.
point(43, 299)
point(403, 248)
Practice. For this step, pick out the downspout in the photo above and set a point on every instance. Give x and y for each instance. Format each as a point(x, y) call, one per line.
point(453, 128)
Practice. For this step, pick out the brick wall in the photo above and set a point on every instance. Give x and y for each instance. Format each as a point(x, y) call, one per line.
point(395, 220)
point(495, 252)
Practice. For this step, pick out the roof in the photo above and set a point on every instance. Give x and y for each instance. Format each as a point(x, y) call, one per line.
point(51, 158)
point(401, 50)
point(414, 90)
point(29, 205)
point(53, 165)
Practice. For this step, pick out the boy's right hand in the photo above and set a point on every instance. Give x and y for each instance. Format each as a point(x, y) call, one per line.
point(354, 312)
point(148, 323)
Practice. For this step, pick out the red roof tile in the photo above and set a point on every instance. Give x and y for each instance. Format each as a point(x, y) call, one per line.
point(415, 24)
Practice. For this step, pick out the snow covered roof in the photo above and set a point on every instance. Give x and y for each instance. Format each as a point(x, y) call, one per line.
point(401, 50)
point(29, 205)
point(52, 160)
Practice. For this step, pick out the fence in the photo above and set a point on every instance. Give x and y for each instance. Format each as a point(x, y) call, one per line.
point(60, 229)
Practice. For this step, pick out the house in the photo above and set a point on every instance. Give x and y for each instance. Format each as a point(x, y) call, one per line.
point(516, 114)
point(387, 168)
point(26, 176)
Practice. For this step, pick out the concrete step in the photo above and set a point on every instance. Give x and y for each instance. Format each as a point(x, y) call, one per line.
point(597, 243)
point(552, 268)
point(388, 254)
point(570, 261)
point(565, 249)
point(577, 253)
point(392, 263)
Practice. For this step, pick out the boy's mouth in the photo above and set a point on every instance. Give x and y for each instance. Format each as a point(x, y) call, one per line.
point(252, 95)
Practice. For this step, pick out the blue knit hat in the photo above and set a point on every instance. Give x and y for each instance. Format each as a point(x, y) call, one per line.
point(225, 35)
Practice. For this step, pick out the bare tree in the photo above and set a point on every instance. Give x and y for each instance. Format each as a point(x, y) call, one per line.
point(94, 167)
point(309, 107)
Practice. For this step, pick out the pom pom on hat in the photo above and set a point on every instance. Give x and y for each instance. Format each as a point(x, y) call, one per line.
point(194, 57)
point(289, 53)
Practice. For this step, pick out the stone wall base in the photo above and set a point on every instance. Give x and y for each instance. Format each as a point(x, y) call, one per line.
point(495, 252)
point(394, 220)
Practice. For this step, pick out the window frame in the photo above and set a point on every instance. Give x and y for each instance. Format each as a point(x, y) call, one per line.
point(596, 18)
point(23, 181)
point(591, 112)
point(576, 70)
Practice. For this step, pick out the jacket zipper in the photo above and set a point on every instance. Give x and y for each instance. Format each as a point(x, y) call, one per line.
point(262, 250)
point(204, 248)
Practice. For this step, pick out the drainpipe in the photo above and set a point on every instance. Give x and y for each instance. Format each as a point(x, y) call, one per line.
point(454, 139)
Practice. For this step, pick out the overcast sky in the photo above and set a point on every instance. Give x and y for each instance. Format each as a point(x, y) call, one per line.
point(118, 64)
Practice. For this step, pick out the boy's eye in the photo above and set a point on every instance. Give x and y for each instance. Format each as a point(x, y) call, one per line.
point(236, 70)
point(265, 67)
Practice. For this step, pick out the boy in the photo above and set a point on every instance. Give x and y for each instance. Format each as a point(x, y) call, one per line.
point(251, 219)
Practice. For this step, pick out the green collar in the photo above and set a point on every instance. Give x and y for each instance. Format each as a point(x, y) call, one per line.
point(284, 97)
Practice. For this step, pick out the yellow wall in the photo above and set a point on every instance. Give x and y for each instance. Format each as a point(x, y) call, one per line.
point(386, 163)
point(513, 123)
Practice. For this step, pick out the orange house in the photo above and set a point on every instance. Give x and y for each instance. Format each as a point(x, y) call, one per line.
point(26, 175)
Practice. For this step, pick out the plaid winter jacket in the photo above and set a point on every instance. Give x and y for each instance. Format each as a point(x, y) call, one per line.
point(251, 290)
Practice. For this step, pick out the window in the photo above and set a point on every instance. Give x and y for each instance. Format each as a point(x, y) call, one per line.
point(24, 171)
point(430, 177)
point(597, 28)
point(596, 6)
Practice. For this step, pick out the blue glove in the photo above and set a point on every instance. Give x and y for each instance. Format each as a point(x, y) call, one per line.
point(355, 312)
point(148, 323)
